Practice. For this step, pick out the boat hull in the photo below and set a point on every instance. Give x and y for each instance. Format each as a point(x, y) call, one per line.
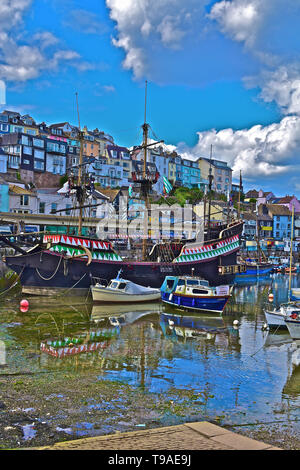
point(259, 270)
point(101, 295)
point(275, 319)
point(46, 272)
point(294, 328)
point(201, 304)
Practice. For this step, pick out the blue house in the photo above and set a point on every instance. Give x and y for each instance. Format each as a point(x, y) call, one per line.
point(282, 221)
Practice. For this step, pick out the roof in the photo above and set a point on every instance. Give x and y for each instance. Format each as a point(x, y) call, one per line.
point(252, 193)
point(278, 209)
point(248, 216)
point(286, 199)
point(264, 217)
point(18, 190)
point(110, 193)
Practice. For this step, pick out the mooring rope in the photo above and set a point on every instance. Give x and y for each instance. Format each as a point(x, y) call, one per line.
point(70, 288)
point(51, 277)
point(14, 283)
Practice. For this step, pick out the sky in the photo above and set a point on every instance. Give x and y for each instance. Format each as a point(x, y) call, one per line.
point(221, 74)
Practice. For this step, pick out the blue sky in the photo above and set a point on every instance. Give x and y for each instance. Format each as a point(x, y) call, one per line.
point(223, 73)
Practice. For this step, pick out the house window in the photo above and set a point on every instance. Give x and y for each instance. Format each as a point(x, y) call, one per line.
point(38, 165)
point(27, 150)
point(39, 154)
point(25, 140)
point(38, 143)
point(53, 207)
point(68, 209)
point(24, 200)
point(42, 208)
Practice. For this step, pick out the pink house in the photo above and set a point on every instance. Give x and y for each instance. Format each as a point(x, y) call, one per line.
point(290, 201)
point(264, 197)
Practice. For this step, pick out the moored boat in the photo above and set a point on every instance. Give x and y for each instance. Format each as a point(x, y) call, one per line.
point(123, 291)
point(292, 321)
point(194, 293)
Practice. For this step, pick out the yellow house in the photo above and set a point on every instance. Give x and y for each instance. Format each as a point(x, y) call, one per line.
point(218, 211)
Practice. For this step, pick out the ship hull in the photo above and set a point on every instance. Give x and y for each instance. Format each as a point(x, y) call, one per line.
point(47, 273)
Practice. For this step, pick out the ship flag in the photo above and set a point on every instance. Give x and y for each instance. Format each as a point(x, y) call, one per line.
point(167, 185)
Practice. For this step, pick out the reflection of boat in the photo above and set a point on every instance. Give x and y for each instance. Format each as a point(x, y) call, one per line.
point(120, 317)
point(277, 339)
point(292, 386)
point(99, 311)
point(194, 293)
point(249, 280)
point(191, 326)
point(121, 290)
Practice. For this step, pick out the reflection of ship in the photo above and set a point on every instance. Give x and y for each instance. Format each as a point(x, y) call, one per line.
point(191, 326)
point(88, 342)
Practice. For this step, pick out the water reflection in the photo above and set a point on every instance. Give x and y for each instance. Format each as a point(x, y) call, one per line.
point(237, 371)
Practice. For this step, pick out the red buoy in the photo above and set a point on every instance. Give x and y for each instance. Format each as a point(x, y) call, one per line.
point(24, 303)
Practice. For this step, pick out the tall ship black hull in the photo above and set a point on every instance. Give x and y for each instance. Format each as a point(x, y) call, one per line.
point(69, 264)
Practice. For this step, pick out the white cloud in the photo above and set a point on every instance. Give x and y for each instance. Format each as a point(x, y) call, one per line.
point(22, 60)
point(142, 24)
point(261, 151)
point(11, 12)
point(240, 19)
point(86, 22)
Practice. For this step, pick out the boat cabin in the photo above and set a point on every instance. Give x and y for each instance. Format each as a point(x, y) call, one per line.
point(188, 285)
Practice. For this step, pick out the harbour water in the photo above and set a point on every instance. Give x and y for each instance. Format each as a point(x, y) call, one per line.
point(71, 368)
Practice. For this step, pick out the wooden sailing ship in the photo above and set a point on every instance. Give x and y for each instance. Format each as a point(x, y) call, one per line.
point(67, 263)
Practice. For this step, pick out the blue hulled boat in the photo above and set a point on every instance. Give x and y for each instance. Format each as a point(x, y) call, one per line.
point(254, 269)
point(194, 293)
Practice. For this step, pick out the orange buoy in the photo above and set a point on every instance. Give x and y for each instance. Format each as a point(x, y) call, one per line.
point(271, 297)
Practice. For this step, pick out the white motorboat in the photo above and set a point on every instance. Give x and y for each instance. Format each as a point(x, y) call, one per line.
point(121, 290)
point(292, 321)
point(277, 317)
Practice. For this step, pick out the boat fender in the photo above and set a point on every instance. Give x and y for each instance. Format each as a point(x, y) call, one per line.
point(170, 296)
point(294, 316)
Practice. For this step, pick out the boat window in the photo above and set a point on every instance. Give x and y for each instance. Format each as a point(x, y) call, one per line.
point(122, 285)
point(181, 282)
point(192, 282)
point(200, 291)
point(170, 283)
point(204, 283)
point(114, 285)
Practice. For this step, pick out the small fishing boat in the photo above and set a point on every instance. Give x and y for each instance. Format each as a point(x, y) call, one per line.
point(276, 318)
point(121, 290)
point(292, 269)
point(193, 293)
point(292, 321)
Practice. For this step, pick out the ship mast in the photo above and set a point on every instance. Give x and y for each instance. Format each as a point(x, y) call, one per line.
point(210, 180)
point(145, 193)
point(80, 192)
